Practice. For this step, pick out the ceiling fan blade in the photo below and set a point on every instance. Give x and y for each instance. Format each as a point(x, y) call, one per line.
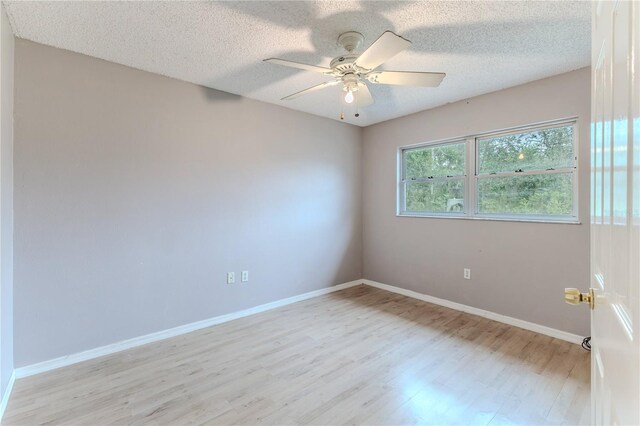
point(310, 90)
point(299, 65)
point(363, 96)
point(407, 78)
point(385, 47)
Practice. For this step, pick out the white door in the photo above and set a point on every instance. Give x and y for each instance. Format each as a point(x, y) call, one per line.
point(615, 213)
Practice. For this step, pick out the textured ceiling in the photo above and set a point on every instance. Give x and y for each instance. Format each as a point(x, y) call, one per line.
point(482, 46)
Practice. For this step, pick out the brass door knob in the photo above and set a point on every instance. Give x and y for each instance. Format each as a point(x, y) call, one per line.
point(573, 296)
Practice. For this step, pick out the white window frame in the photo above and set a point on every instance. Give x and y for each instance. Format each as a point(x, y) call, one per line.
point(403, 181)
point(472, 176)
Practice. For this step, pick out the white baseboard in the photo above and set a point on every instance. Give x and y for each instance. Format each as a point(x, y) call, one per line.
point(64, 361)
point(541, 329)
point(7, 394)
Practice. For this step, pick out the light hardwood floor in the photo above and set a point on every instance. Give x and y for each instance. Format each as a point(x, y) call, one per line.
point(357, 356)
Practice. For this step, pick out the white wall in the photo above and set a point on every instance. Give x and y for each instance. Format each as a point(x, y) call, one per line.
point(6, 201)
point(136, 193)
point(518, 269)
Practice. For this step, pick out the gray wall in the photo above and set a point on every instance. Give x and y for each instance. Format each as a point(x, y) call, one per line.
point(6, 200)
point(136, 193)
point(518, 269)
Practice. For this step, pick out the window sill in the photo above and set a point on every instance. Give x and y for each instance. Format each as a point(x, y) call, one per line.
point(570, 221)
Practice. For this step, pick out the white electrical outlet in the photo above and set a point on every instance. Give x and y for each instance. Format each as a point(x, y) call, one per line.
point(467, 273)
point(231, 277)
point(245, 276)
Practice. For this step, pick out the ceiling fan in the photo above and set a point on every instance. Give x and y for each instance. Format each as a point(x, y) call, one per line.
point(352, 71)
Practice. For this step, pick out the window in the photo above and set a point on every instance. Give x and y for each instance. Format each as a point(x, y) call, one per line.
point(524, 174)
point(435, 178)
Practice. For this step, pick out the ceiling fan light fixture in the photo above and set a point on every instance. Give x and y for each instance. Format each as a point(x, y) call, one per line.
point(348, 97)
point(350, 86)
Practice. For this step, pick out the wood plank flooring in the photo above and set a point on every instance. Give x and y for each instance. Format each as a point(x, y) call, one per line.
point(357, 356)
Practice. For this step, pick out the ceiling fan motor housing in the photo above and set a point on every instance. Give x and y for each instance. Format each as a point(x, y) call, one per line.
point(344, 64)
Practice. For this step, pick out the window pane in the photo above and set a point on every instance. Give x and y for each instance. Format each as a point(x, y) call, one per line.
point(537, 150)
point(441, 160)
point(545, 194)
point(435, 197)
